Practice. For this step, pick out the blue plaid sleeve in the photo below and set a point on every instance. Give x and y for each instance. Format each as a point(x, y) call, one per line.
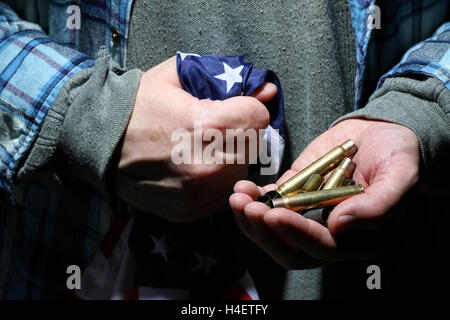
point(430, 57)
point(33, 69)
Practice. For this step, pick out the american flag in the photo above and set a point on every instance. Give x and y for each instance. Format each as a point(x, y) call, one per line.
point(145, 257)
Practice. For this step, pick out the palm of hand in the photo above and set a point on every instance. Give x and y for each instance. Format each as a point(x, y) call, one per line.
point(387, 165)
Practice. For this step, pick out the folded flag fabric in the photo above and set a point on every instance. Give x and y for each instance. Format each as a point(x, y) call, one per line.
point(218, 77)
point(145, 257)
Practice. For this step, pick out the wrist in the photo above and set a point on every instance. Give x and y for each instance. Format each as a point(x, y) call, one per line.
point(99, 105)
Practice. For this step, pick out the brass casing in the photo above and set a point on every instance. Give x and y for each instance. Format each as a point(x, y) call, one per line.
point(322, 166)
point(268, 197)
point(317, 199)
point(348, 182)
point(313, 184)
point(336, 178)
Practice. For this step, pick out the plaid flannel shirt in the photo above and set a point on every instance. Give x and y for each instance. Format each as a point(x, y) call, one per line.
point(45, 232)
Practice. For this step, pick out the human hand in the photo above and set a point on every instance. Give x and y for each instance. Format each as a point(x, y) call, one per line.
point(387, 165)
point(146, 176)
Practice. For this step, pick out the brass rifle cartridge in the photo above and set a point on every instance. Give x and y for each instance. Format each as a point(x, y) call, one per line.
point(322, 166)
point(313, 184)
point(317, 199)
point(348, 182)
point(345, 169)
point(268, 197)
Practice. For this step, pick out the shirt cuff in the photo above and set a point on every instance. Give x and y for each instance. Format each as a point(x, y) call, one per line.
point(33, 69)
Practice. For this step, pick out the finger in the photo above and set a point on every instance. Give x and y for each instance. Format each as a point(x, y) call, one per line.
point(317, 242)
point(249, 188)
point(305, 234)
point(385, 191)
point(236, 112)
point(265, 92)
point(269, 187)
point(239, 113)
point(238, 201)
point(276, 247)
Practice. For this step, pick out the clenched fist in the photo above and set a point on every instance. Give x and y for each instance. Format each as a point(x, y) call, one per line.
point(148, 179)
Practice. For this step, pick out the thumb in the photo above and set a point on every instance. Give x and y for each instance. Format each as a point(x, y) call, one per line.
point(367, 210)
point(265, 92)
point(362, 211)
point(240, 112)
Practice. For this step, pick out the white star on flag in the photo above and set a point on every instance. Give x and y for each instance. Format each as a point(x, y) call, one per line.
point(231, 76)
point(160, 247)
point(204, 262)
point(184, 55)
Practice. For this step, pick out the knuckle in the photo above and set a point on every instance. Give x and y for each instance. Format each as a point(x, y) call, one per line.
point(264, 117)
point(258, 115)
point(205, 114)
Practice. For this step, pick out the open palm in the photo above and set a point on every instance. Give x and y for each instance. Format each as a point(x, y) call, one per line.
point(387, 165)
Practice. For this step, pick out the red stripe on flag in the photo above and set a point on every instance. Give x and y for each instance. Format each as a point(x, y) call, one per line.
point(73, 296)
point(236, 292)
